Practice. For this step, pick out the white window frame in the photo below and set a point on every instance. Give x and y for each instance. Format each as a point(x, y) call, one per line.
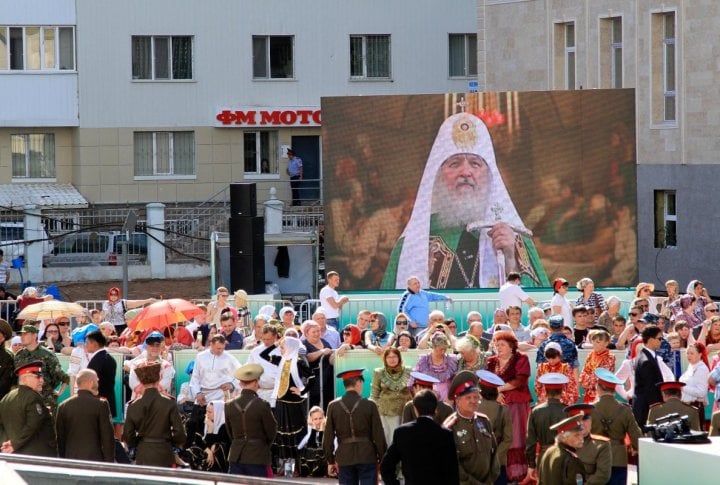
point(26, 178)
point(268, 66)
point(153, 74)
point(570, 52)
point(171, 161)
point(364, 76)
point(616, 52)
point(273, 137)
point(56, 48)
point(661, 226)
point(669, 91)
point(468, 60)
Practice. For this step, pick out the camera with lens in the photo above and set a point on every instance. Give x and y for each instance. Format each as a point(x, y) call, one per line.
point(673, 428)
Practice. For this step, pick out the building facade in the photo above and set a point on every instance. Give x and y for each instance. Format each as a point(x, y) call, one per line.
point(170, 100)
point(665, 50)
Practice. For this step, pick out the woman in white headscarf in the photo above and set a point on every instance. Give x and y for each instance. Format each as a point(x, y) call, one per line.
point(288, 401)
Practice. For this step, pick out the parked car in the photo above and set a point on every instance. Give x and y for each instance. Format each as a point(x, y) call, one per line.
point(12, 240)
point(97, 249)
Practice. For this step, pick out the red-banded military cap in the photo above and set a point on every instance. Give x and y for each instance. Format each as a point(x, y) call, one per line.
point(424, 379)
point(35, 366)
point(584, 410)
point(349, 374)
point(463, 383)
point(668, 385)
point(573, 423)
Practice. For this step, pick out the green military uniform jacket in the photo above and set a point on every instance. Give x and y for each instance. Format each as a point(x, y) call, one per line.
point(560, 465)
point(541, 418)
point(477, 450)
point(596, 455)
point(614, 420)
point(441, 413)
point(52, 372)
point(715, 424)
point(251, 425)
point(355, 422)
point(675, 405)
point(499, 416)
point(84, 428)
point(27, 423)
point(153, 425)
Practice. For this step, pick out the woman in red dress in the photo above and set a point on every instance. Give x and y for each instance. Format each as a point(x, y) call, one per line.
point(513, 367)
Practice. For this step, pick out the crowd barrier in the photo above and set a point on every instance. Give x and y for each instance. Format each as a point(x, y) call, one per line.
point(352, 359)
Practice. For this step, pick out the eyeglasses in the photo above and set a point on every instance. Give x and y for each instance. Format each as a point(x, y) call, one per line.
point(64, 324)
point(634, 314)
point(222, 294)
point(474, 321)
point(712, 310)
point(52, 332)
point(401, 322)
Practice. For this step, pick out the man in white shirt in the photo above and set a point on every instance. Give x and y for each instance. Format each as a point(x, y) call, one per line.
point(511, 294)
point(266, 382)
point(154, 347)
point(213, 373)
point(330, 300)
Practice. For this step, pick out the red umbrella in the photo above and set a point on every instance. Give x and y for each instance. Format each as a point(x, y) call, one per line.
point(164, 313)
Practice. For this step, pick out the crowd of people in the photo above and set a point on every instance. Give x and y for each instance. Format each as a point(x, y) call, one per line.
point(276, 413)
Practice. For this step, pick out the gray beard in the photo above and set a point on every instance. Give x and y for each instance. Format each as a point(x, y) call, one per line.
point(457, 209)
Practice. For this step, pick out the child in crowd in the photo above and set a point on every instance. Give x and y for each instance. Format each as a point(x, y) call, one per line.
point(312, 457)
point(599, 357)
point(674, 340)
point(553, 354)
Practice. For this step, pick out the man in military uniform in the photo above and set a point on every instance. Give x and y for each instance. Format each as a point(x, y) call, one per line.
point(424, 381)
point(84, 423)
point(355, 422)
point(541, 419)
point(476, 446)
point(614, 420)
point(7, 360)
point(671, 393)
point(560, 465)
point(53, 374)
point(153, 423)
point(499, 416)
point(595, 452)
point(251, 425)
point(26, 425)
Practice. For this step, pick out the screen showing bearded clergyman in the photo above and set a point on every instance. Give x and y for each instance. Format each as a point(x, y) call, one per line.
point(461, 189)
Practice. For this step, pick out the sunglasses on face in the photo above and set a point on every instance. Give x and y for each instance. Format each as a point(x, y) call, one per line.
point(401, 322)
point(634, 314)
point(712, 310)
point(63, 324)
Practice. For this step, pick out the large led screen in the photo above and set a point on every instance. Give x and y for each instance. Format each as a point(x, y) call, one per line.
point(461, 189)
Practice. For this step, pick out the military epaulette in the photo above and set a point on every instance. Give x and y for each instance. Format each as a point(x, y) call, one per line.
point(599, 437)
point(481, 415)
point(656, 404)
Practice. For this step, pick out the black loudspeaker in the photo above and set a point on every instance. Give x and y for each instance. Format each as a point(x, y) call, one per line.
point(243, 200)
point(247, 236)
point(248, 273)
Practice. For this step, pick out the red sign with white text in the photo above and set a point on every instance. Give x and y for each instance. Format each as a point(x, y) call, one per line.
point(269, 117)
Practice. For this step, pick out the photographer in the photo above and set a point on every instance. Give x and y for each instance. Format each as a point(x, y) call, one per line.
point(440, 326)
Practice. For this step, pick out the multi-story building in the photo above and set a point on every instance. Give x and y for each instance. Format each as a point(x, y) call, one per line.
point(170, 100)
point(665, 51)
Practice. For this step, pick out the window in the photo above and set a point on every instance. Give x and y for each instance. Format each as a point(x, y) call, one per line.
point(669, 65)
point(259, 149)
point(664, 94)
point(665, 219)
point(564, 56)
point(370, 56)
point(164, 153)
point(463, 55)
point(611, 50)
point(162, 57)
point(273, 57)
point(37, 48)
point(33, 156)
